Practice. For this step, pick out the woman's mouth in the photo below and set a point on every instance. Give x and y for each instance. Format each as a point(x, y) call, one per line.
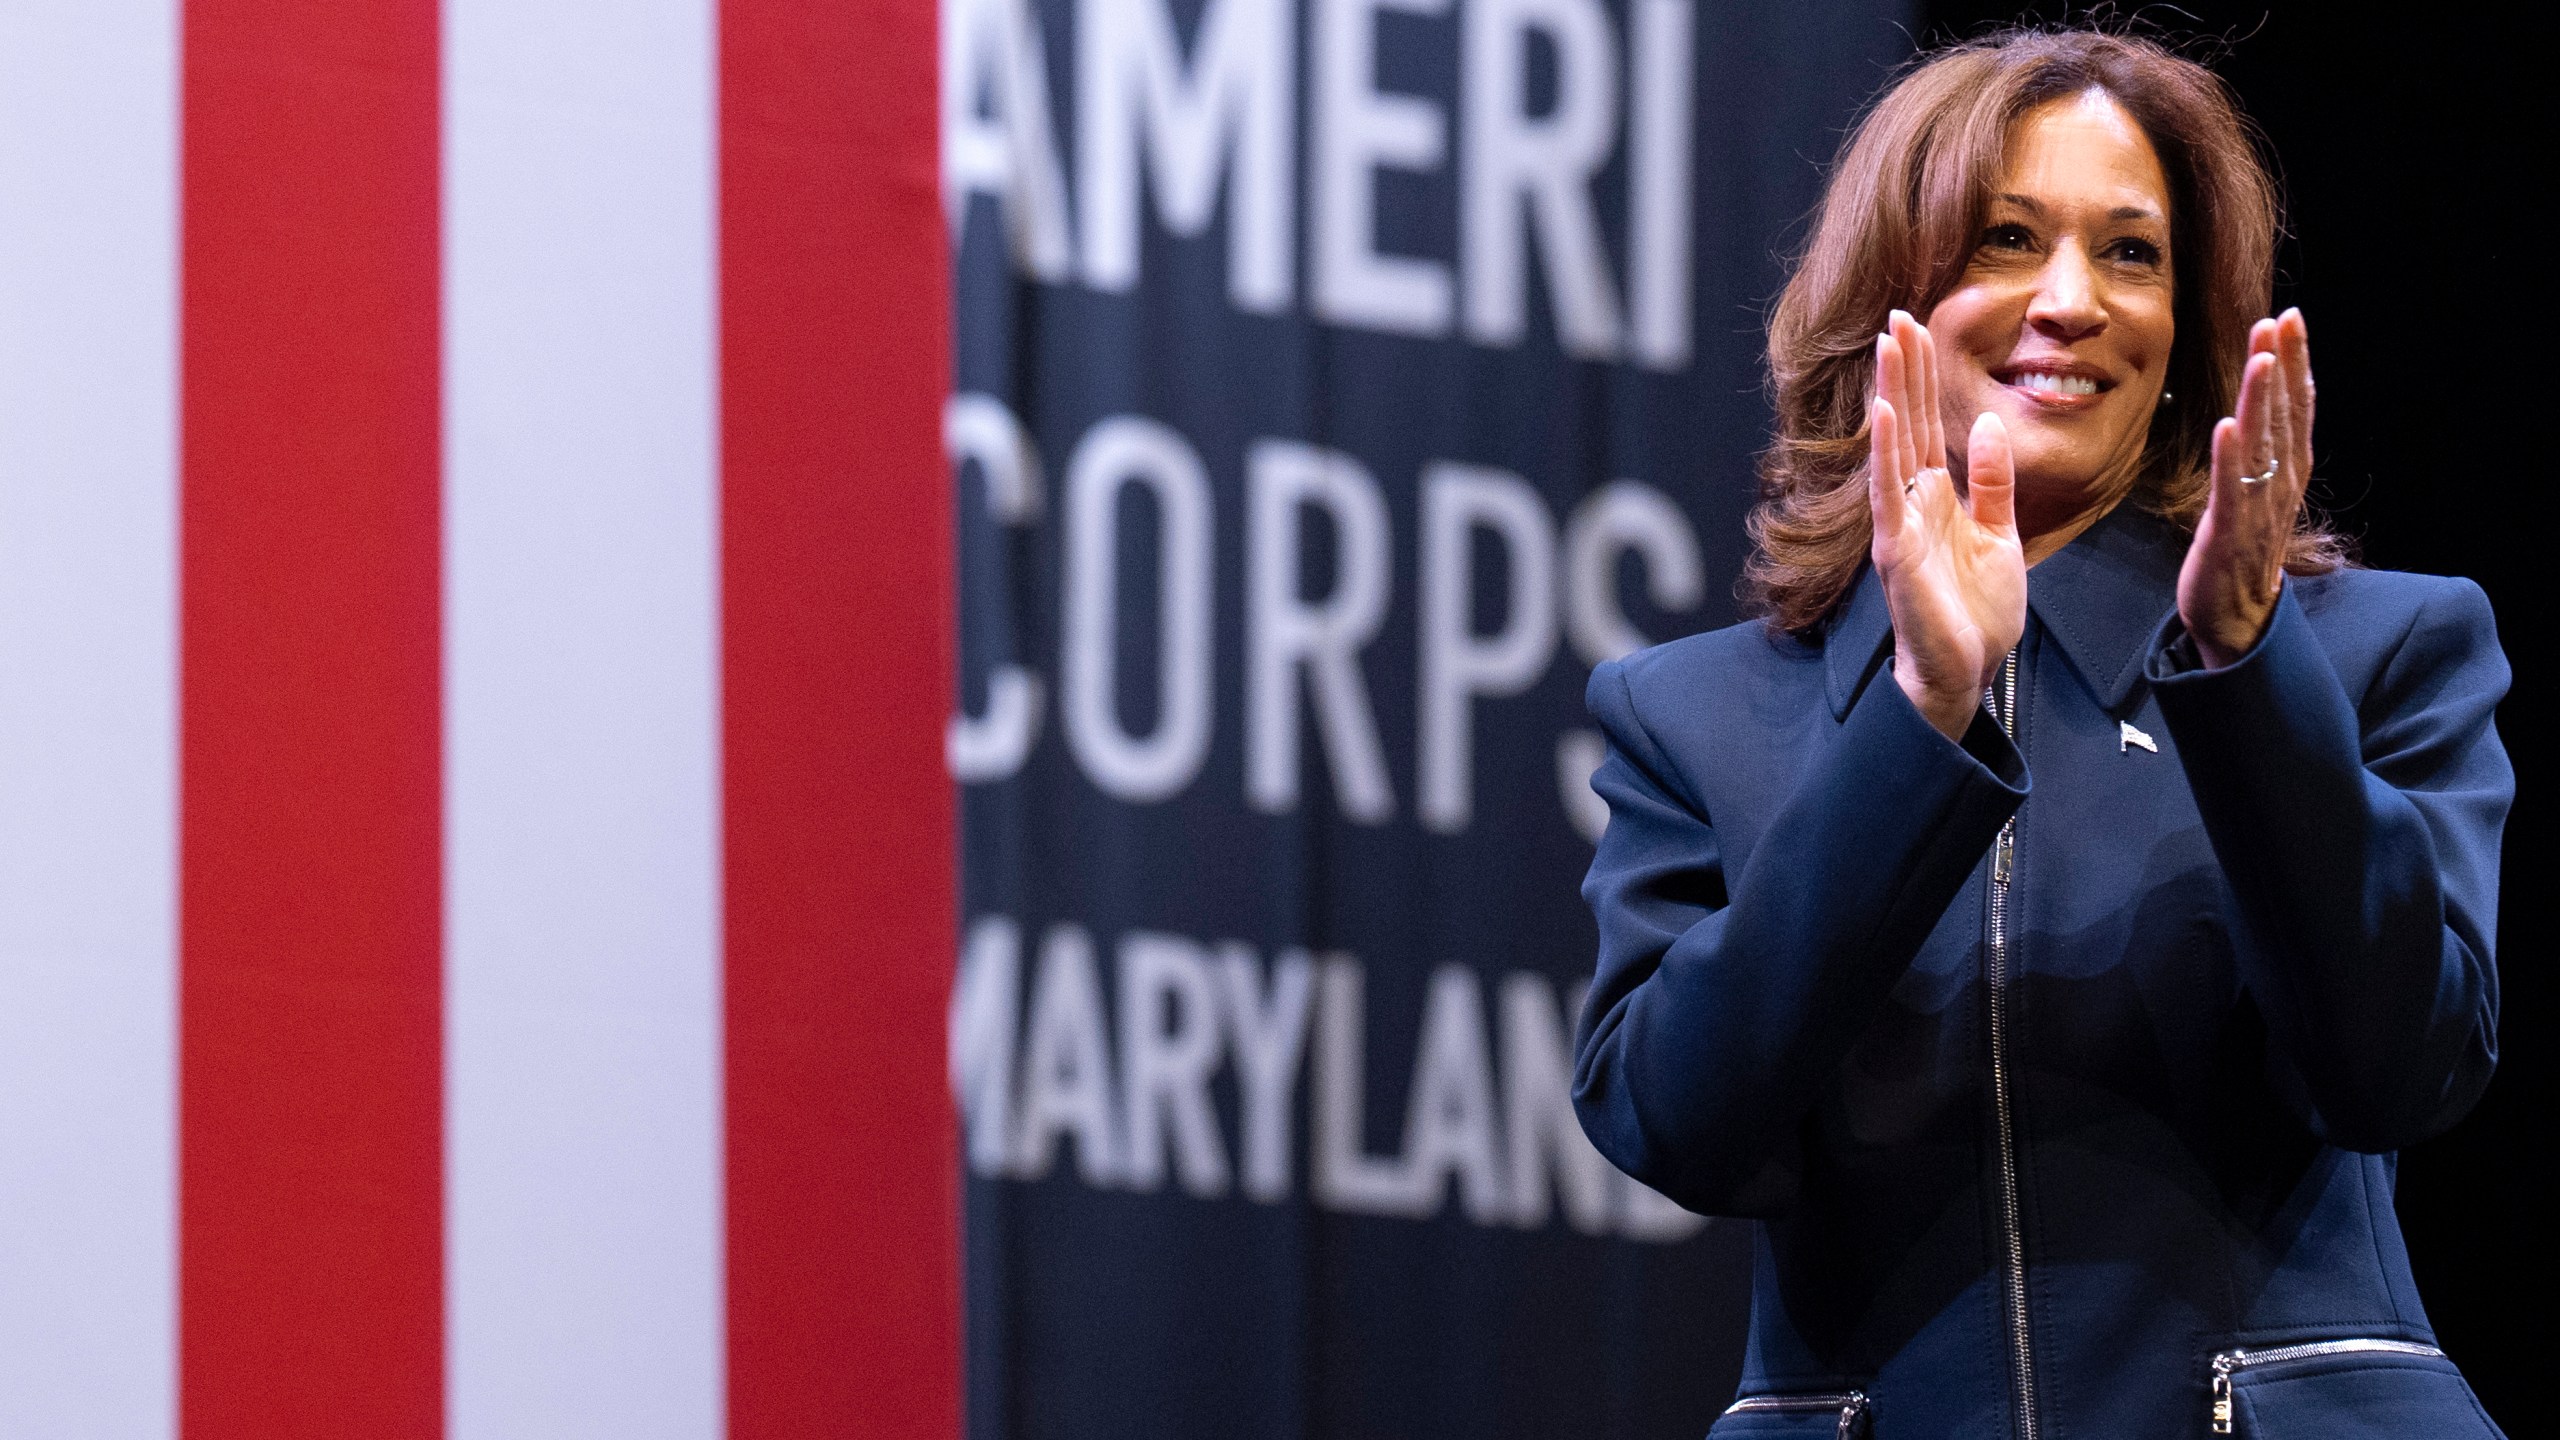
point(2043, 384)
point(2054, 389)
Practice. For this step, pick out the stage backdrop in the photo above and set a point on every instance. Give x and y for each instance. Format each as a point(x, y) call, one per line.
point(1337, 382)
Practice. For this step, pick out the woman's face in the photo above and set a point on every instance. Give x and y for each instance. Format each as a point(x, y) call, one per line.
point(2062, 322)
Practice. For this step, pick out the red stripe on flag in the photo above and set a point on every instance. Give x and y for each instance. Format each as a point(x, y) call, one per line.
point(842, 1186)
point(310, 1232)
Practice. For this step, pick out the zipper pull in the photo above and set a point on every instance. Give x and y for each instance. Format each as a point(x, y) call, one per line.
point(1852, 1416)
point(2000, 850)
point(2223, 1365)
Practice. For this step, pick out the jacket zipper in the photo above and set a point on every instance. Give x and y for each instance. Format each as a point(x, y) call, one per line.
point(2013, 1249)
point(2231, 1362)
point(1852, 1405)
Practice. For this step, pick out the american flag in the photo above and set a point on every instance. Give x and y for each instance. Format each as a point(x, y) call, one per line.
point(475, 857)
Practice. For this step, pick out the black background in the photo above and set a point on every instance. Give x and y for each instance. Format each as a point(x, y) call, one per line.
point(2402, 147)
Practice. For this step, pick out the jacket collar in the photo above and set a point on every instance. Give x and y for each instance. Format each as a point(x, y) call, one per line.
point(1860, 635)
point(2100, 598)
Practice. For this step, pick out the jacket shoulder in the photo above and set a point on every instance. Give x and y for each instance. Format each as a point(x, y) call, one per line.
point(2392, 599)
point(1699, 711)
point(2375, 623)
point(1714, 662)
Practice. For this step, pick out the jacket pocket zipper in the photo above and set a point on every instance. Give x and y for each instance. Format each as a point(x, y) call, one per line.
point(1851, 1405)
point(2232, 1362)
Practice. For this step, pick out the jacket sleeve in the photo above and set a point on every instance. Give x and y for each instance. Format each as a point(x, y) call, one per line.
point(2360, 838)
point(1728, 996)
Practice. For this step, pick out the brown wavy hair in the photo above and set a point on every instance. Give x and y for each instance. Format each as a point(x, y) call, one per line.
point(1899, 219)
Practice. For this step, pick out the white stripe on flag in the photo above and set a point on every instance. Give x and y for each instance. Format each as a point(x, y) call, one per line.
point(88, 703)
point(581, 736)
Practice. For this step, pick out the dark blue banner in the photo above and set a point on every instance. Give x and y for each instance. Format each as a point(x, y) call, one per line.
point(1338, 381)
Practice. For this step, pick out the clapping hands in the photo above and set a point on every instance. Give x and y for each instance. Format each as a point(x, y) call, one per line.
point(1955, 575)
point(1954, 570)
point(2261, 463)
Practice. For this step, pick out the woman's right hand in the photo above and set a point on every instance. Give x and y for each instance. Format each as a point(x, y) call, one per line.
point(1955, 576)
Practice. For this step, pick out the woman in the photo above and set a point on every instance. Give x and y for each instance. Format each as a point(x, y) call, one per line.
point(2050, 921)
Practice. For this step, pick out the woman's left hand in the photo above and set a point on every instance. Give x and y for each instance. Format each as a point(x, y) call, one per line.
point(2235, 569)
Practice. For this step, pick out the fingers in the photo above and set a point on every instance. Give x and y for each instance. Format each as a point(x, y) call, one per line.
point(2257, 423)
point(2262, 412)
point(2232, 572)
point(2310, 392)
point(1907, 433)
point(2280, 443)
point(2293, 351)
point(2234, 519)
point(1884, 478)
point(1991, 488)
point(1897, 382)
point(2229, 460)
point(2293, 347)
point(1920, 414)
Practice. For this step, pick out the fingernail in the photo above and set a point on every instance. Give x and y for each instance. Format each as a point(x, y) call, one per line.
point(1898, 315)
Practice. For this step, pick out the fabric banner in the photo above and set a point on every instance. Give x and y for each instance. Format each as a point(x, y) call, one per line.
point(476, 861)
point(1337, 383)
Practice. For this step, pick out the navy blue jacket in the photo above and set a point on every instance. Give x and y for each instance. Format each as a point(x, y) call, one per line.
point(2244, 953)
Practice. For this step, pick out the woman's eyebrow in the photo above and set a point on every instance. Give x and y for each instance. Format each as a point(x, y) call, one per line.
point(2036, 208)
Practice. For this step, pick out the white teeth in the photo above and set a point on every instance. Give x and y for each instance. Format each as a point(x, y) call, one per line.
point(2056, 384)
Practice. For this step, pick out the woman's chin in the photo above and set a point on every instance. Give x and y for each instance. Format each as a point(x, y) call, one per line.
point(2069, 475)
point(2034, 425)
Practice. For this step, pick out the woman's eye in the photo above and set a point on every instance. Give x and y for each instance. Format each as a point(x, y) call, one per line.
point(2007, 237)
point(2137, 252)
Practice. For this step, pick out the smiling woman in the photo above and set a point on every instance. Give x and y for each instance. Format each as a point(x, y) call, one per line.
point(2063, 322)
point(2058, 1004)
point(1953, 200)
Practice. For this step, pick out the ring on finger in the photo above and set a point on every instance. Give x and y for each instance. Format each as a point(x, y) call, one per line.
point(2262, 477)
point(1919, 476)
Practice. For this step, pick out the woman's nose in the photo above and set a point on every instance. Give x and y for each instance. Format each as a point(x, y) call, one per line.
point(2066, 301)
